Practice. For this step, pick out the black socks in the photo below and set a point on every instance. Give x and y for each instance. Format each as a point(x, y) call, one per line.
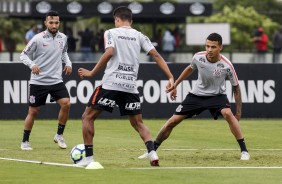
point(61, 129)
point(156, 145)
point(150, 146)
point(242, 145)
point(26, 135)
point(88, 150)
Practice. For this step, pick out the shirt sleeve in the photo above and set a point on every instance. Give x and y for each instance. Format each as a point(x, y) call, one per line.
point(193, 63)
point(232, 76)
point(146, 44)
point(27, 53)
point(65, 56)
point(109, 41)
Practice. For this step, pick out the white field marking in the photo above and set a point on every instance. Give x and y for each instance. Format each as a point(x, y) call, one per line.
point(249, 167)
point(217, 149)
point(40, 162)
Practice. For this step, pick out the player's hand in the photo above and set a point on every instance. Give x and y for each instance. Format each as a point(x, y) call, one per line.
point(82, 72)
point(35, 70)
point(170, 86)
point(68, 70)
point(173, 94)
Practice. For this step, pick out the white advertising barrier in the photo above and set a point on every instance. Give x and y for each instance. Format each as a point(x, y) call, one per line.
point(260, 84)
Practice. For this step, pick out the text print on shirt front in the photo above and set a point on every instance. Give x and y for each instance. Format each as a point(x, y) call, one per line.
point(125, 67)
point(127, 38)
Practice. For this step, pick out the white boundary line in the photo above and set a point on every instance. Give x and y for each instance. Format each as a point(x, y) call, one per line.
point(247, 167)
point(143, 168)
point(40, 162)
point(217, 149)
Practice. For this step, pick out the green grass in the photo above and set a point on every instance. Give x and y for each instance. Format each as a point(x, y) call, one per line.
point(117, 146)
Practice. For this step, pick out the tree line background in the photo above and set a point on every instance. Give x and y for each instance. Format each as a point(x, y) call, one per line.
point(244, 17)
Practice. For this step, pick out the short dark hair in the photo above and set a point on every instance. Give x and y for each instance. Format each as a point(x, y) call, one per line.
point(52, 13)
point(215, 37)
point(123, 12)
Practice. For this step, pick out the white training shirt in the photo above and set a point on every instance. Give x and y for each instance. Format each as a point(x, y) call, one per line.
point(122, 70)
point(48, 53)
point(212, 76)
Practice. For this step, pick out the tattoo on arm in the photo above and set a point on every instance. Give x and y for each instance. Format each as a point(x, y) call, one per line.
point(238, 99)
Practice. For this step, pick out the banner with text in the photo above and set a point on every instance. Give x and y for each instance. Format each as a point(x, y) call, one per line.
point(260, 84)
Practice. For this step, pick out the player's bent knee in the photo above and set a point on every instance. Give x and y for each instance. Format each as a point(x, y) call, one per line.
point(66, 105)
point(227, 114)
point(171, 123)
point(33, 111)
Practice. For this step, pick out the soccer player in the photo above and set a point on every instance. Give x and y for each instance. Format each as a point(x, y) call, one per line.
point(209, 93)
point(44, 55)
point(122, 50)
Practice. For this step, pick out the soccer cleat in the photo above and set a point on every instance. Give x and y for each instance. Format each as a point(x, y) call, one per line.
point(85, 161)
point(60, 140)
point(145, 155)
point(245, 155)
point(26, 146)
point(154, 159)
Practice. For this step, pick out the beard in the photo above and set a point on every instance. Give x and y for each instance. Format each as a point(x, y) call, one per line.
point(53, 30)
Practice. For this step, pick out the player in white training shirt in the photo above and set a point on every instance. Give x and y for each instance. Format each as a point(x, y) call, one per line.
point(122, 49)
point(44, 55)
point(208, 93)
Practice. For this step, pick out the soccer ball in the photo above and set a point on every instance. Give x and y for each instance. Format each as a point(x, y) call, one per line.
point(77, 153)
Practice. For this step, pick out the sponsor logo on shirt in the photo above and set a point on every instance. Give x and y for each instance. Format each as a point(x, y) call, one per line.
point(109, 38)
point(29, 47)
point(217, 72)
point(123, 85)
point(124, 67)
point(229, 73)
point(202, 60)
point(60, 44)
point(125, 77)
point(46, 36)
point(220, 65)
point(147, 40)
point(127, 38)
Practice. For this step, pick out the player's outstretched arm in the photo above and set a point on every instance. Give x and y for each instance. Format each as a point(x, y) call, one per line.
point(238, 101)
point(162, 64)
point(173, 90)
point(186, 73)
point(82, 72)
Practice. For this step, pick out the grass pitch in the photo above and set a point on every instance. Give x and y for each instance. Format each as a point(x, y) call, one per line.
point(198, 151)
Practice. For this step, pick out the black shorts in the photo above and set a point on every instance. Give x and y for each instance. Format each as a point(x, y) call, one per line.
point(39, 93)
point(103, 99)
point(194, 105)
